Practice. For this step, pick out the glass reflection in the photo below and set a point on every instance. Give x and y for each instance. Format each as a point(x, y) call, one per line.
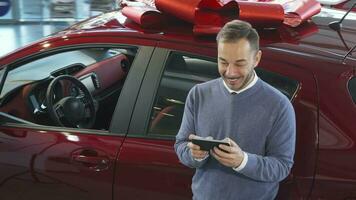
point(60, 10)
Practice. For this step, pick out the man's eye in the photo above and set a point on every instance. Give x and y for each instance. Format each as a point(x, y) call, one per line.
point(240, 65)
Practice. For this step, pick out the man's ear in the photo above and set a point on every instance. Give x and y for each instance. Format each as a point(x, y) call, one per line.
point(258, 57)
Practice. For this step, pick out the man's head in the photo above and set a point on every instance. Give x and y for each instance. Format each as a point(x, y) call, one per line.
point(238, 53)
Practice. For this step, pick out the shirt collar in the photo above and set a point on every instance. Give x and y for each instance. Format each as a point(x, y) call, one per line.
point(252, 83)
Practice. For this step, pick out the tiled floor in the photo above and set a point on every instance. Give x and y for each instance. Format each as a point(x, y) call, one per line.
point(38, 18)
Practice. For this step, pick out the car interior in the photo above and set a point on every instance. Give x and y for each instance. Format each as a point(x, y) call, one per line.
point(89, 85)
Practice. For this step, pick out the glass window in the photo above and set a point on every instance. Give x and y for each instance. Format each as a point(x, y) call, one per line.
point(282, 83)
point(6, 10)
point(62, 10)
point(182, 72)
point(352, 88)
point(102, 70)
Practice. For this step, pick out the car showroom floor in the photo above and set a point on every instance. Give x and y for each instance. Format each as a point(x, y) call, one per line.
point(28, 21)
point(13, 36)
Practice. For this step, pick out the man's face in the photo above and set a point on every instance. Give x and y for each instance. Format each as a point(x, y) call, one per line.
point(236, 61)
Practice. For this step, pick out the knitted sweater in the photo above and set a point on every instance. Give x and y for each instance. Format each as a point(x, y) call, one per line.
point(260, 120)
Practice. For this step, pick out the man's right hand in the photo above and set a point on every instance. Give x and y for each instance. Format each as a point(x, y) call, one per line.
point(195, 149)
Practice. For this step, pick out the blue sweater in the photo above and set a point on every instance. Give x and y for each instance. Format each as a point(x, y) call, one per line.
point(260, 120)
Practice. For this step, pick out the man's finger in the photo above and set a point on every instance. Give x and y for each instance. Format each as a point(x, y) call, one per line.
point(221, 153)
point(199, 154)
point(227, 161)
point(214, 155)
point(217, 156)
point(231, 142)
point(228, 149)
point(193, 146)
point(191, 136)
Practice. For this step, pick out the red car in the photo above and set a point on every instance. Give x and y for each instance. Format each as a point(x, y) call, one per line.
point(92, 112)
point(346, 5)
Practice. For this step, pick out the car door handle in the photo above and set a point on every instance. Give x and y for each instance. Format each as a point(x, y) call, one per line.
point(90, 160)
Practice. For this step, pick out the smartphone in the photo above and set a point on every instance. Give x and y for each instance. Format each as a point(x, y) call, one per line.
point(207, 144)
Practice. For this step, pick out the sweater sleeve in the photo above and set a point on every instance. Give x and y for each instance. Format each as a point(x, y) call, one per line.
point(187, 127)
point(275, 165)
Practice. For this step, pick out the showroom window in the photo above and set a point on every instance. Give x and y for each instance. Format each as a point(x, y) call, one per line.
point(181, 73)
point(102, 70)
point(352, 88)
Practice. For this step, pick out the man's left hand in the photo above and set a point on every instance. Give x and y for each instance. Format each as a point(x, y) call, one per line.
point(229, 156)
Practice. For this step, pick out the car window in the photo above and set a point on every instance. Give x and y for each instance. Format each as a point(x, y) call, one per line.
point(284, 84)
point(102, 70)
point(181, 73)
point(42, 68)
point(352, 88)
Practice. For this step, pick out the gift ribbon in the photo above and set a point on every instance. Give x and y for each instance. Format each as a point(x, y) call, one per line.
point(208, 16)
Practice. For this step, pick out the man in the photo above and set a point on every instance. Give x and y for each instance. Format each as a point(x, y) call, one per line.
point(256, 119)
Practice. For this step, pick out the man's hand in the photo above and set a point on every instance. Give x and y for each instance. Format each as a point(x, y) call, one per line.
point(195, 149)
point(229, 156)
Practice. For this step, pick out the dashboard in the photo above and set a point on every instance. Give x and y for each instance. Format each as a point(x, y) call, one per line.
point(91, 82)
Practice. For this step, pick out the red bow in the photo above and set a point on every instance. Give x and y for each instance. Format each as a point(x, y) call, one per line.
point(208, 16)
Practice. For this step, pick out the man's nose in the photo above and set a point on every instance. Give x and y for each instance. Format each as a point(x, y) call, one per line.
point(232, 70)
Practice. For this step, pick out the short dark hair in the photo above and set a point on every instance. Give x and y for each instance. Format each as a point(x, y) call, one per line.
point(236, 30)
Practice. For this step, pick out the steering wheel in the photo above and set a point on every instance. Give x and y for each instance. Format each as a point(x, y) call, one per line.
point(73, 111)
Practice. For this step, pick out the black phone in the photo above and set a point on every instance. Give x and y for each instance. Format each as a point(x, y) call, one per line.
point(207, 144)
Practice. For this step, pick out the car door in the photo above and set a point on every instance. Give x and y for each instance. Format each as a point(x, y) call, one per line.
point(149, 167)
point(288, 69)
point(336, 170)
point(49, 162)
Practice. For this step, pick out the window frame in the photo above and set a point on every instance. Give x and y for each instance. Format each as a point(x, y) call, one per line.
point(3, 78)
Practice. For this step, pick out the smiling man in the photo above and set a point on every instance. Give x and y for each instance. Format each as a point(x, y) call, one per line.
point(237, 59)
point(256, 119)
